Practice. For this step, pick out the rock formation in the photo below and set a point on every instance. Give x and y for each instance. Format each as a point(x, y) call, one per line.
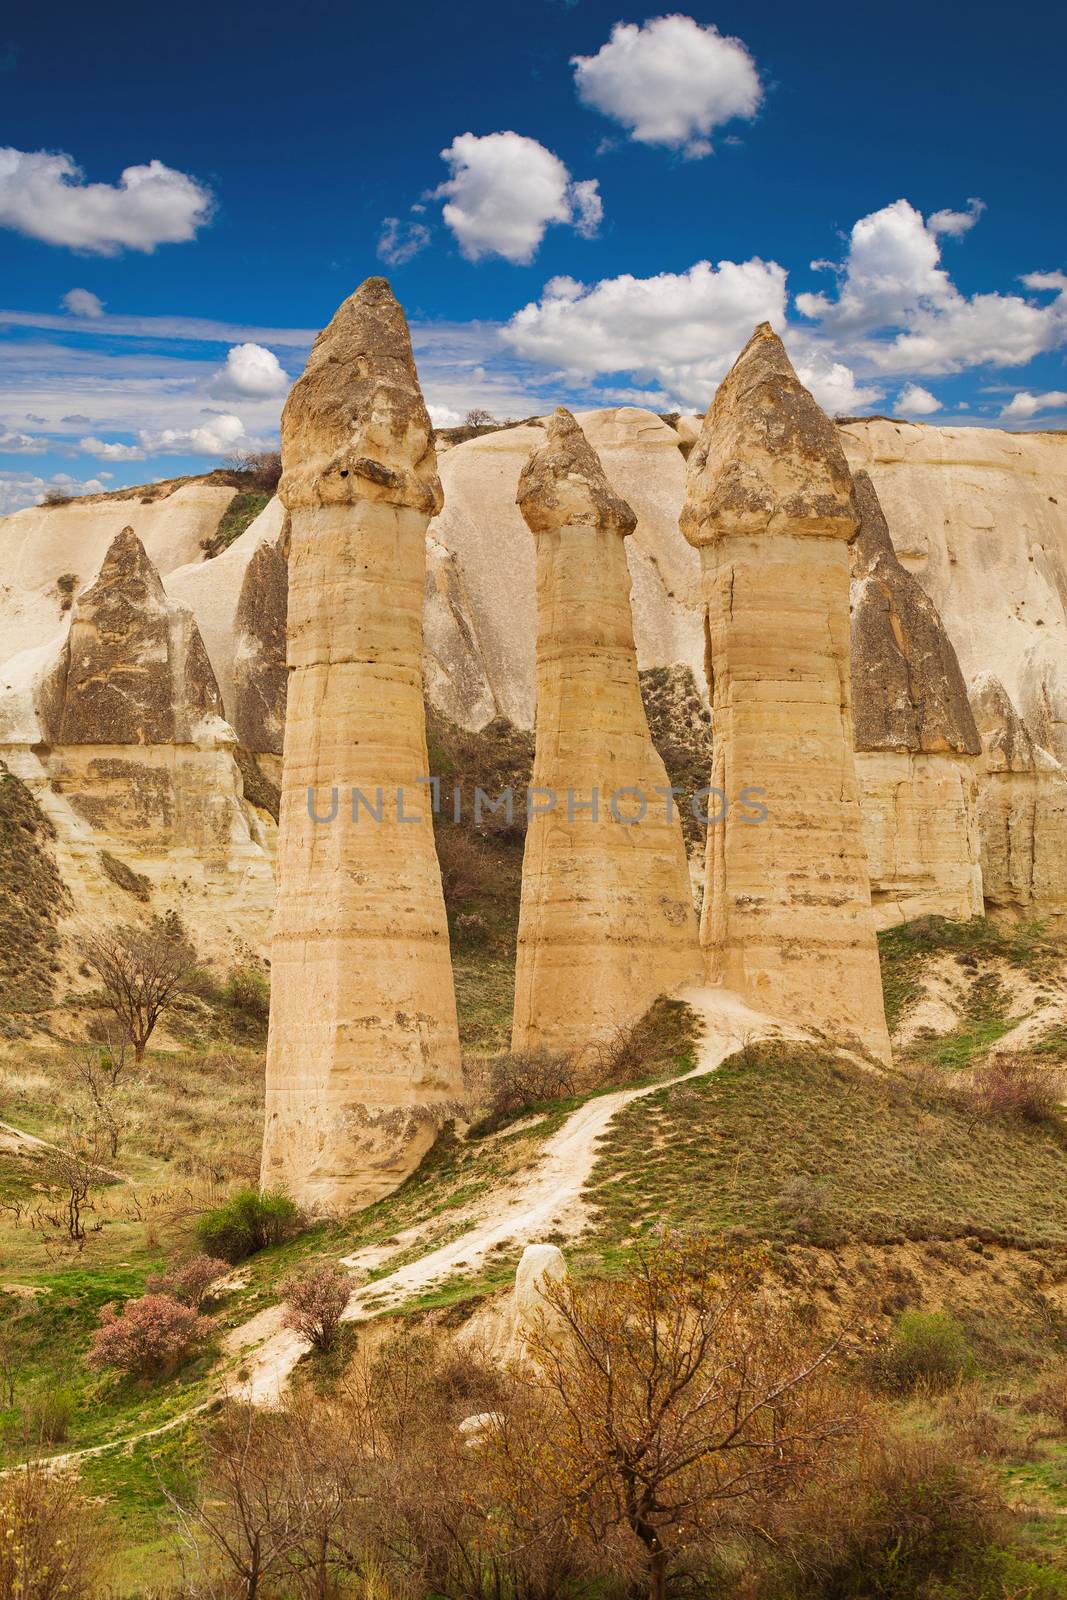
point(116, 726)
point(1022, 811)
point(541, 1266)
point(917, 746)
point(787, 915)
point(606, 921)
point(363, 1054)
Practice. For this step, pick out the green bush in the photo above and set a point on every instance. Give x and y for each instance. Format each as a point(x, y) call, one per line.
point(248, 991)
point(48, 1414)
point(900, 1518)
point(926, 1349)
point(249, 1221)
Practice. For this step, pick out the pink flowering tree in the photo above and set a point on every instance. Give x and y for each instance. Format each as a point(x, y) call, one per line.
point(148, 1337)
point(314, 1303)
point(191, 1281)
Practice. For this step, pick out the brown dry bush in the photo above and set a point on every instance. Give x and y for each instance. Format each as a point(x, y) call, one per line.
point(50, 1543)
point(514, 1083)
point(898, 1516)
point(1018, 1089)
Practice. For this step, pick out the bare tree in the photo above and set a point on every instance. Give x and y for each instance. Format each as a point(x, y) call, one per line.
point(74, 1168)
point(142, 971)
point(478, 417)
point(663, 1402)
point(95, 1070)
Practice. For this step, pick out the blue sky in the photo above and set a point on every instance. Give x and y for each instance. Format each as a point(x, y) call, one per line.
point(626, 192)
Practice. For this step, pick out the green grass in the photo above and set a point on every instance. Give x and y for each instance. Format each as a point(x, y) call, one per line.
point(241, 512)
point(883, 1159)
point(905, 951)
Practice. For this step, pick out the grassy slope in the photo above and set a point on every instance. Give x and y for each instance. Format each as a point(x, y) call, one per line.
point(883, 1159)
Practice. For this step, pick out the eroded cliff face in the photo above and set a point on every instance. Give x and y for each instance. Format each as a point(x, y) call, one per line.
point(917, 746)
point(116, 727)
point(977, 517)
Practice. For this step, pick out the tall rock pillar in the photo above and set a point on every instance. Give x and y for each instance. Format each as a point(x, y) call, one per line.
point(787, 910)
point(363, 1050)
point(606, 922)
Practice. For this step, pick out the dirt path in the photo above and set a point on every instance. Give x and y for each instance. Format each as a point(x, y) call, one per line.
point(522, 1211)
point(547, 1200)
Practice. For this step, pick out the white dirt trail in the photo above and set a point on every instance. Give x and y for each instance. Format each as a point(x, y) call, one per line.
point(547, 1199)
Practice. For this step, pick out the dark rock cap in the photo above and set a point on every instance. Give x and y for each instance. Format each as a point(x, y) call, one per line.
point(908, 692)
point(563, 484)
point(768, 459)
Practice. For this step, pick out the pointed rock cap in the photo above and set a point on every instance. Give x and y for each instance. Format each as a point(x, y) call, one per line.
point(768, 460)
point(134, 669)
point(355, 426)
point(1005, 740)
point(563, 484)
point(908, 691)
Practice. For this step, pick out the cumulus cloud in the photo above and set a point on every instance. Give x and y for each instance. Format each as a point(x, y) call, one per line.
point(506, 190)
point(897, 307)
point(915, 401)
point(399, 241)
point(1024, 405)
point(956, 223)
point(110, 451)
point(82, 303)
point(253, 371)
point(21, 444)
point(44, 195)
point(682, 330)
point(219, 436)
point(670, 81)
point(18, 490)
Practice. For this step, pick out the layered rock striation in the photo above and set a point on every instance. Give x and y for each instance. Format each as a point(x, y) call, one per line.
point(606, 922)
point(363, 1054)
point(917, 746)
point(787, 915)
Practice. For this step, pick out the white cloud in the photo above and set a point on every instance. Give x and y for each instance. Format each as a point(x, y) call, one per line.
point(444, 416)
point(18, 490)
point(22, 444)
point(1025, 405)
point(683, 330)
point(897, 309)
point(253, 371)
point(833, 384)
point(110, 451)
point(220, 436)
point(83, 303)
point(45, 195)
point(956, 223)
point(505, 190)
point(588, 207)
point(670, 81)
point(915, 401)
point(399, 241)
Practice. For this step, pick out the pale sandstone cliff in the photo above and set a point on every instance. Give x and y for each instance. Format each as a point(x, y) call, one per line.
point(1022, 811)
point(787, 916)
point(363, 1051)
point(606, 922)
point(916, 743)
point(116, 726)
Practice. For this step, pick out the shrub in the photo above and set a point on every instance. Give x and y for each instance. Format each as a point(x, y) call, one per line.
point(898, 1517)
point(190, 1282)
point(1051, 1395)
point(470, 929)
point(467, 869)
point(804, 1203)
point(1012, 1087)
point(314, 1302)
point(47, 1415)
point(149, 1336)
point(926, 1349)
point(50, 1545)
point(248, 991)
point(523, 1079)
point(249, 1221)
